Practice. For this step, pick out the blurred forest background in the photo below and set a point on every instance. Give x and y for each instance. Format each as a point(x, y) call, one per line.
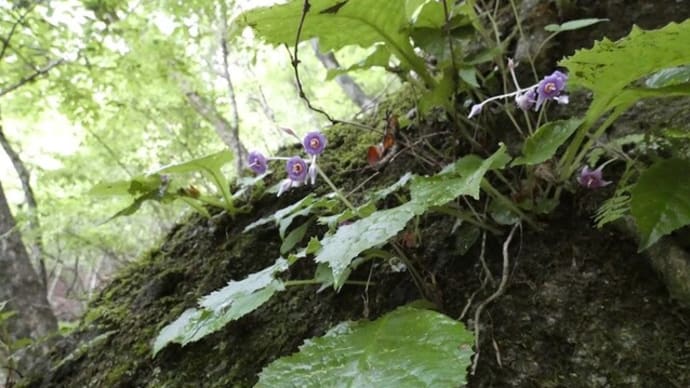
point(104, 90)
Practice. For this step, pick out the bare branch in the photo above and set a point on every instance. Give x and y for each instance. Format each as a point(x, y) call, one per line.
point(235, 126)
point(347, 83)
point(209, 112)
point(6, 41)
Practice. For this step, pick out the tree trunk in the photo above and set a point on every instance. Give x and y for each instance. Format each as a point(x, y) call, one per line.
point(19, 284)
point(349, 86)
point(30, 199)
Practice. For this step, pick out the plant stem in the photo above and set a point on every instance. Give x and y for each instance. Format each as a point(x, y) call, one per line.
point(337, 192)
point(508, 203)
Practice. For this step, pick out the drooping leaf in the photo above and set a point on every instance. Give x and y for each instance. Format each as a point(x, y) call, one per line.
point(573, 24)
point(660, 201)
point(350, 240)
point(220, 307)
point(408, 347)
point(544, 142)
point(339, 24)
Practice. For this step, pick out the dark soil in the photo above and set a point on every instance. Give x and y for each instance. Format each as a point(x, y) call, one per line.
point(582, 307)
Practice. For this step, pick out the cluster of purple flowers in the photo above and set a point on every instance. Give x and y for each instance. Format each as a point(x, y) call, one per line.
point(550, 88)
point(299, 171)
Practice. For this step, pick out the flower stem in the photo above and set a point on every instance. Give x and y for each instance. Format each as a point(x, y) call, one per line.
point(337, 192)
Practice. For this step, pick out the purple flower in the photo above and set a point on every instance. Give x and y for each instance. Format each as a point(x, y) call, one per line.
point(592, 179)
point(297, 169)
point(257, 162)
point(314, 143)
point(526, 100)
point(550, 88)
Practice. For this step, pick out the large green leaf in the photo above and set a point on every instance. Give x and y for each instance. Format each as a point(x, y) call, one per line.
point(408, 347)
point(220, 307)
point(342, 23)
point(340, 248)
point(660, 201)
point(609, 67)
point(544, 142)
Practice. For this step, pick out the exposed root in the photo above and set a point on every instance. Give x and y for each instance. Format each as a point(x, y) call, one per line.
point(499, 291)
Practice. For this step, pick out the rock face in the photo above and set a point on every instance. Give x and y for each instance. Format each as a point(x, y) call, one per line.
point(582, 308)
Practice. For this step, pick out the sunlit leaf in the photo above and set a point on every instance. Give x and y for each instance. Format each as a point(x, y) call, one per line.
point(660, 201)
point(408, 347)
point(353, 22)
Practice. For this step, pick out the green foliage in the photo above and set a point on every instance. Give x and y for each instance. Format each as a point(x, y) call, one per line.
point(219, 308)
point(339, 249)
point(660, 201)
point(544, 142)
point(461, 178)
point(159, 186)
point(354, 22)
point(409, 347)
point(607, 68)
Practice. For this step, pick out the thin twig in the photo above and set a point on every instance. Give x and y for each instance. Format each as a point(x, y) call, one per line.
point(499, 291)
point(294, 61)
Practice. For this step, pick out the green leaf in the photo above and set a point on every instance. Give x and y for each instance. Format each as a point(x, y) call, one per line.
point(294, 237)
point(379, 57)
point(544, 142)
point(573, 25)
point(386, 191)
point(609, 67)
point(669, 77)
point(350, 240)
point(464, 177)
point(220, 307)
point(210, 162)
point(440, 96)
point(211, 166)
point(408, 347)
point(339, 24)
point(660, 201)
point(283, 218)
point(133, 187)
